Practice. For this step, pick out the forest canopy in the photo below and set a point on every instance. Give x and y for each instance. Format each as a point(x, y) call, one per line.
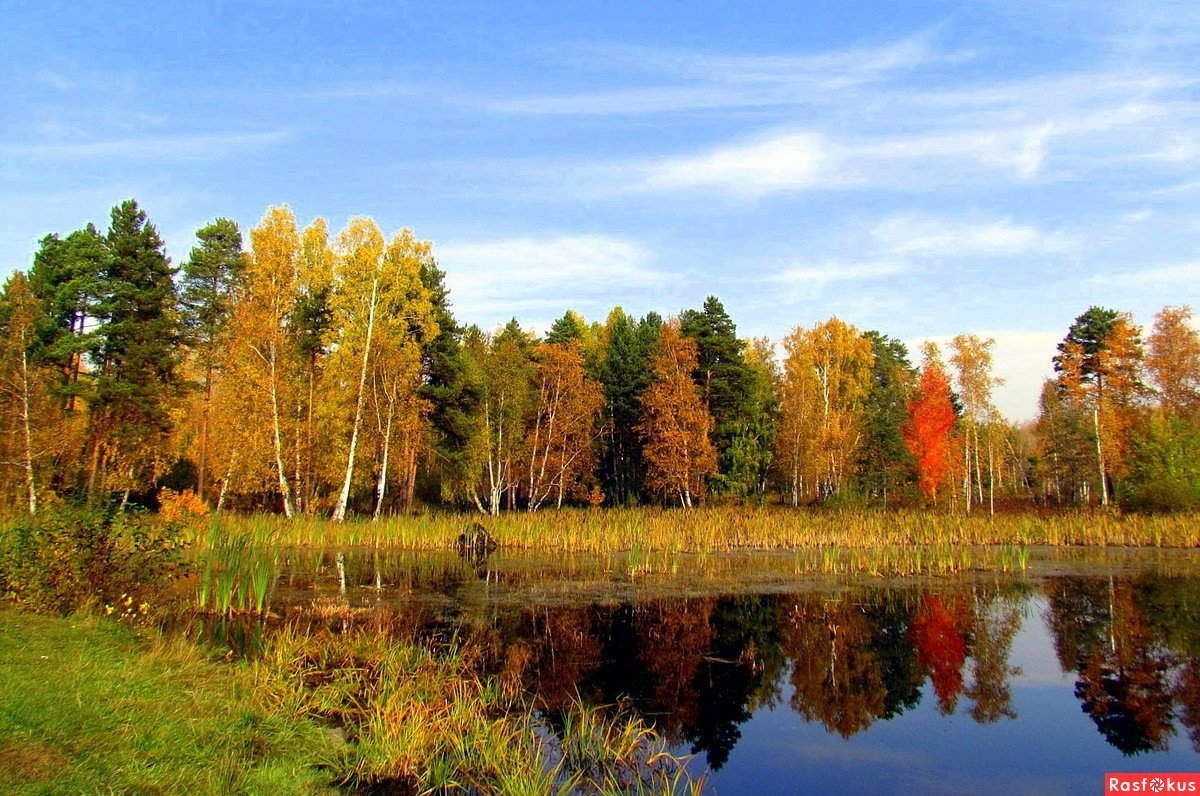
point(304, 371)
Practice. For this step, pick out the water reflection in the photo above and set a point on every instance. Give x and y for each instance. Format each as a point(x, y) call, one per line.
point(698, 668)
point(1133, 646)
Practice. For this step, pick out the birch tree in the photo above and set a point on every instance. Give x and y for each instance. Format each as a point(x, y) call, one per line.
point(264, 348)
point(561, 439)
point(972, 360)
point(501, 365)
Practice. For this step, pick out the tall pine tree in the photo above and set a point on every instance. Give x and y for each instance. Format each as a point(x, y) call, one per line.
point(137, 357)
point(724, 380)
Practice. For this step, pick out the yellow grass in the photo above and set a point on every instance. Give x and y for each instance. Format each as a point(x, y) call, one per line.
point(716, 530)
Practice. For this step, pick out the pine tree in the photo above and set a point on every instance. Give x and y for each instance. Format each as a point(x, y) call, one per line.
point(455, 398)
point(67, 277)
point(1098, 365)
point(725, 380)
point(625, 374)
point(885, 462)
point(137, 356)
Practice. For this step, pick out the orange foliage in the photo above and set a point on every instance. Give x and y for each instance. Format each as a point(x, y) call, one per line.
point(941, 648)
point(675, 423)
point(927, 430)
point(174, 505)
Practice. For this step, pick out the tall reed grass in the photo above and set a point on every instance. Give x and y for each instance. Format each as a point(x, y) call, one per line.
point(711, 530)
point(236, 570)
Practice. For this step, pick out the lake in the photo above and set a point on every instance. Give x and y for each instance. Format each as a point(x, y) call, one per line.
point(776, 681)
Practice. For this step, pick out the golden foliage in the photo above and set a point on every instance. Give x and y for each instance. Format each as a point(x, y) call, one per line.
point(183, 505)
point(675, 423)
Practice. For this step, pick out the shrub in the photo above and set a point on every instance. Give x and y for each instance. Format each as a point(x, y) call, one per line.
point(63, 560)
point(183, 505)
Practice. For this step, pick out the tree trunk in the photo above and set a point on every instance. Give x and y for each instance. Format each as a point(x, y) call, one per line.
point(339, 510)
point(281, 473)
point(29, 482)
point(1100, 458)
point(204, 413)
point(381, 484)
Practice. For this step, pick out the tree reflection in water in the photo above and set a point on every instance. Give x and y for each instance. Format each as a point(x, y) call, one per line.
point(1132, 644)
point(698, 668)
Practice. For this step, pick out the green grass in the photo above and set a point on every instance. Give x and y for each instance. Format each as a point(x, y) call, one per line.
point(87, 708)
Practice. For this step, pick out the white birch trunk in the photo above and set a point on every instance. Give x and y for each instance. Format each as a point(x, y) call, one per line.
point(339, 510)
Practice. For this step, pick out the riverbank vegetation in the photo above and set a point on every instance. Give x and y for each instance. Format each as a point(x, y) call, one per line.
point(318, 374)
point(709, 529)
point(85, 706)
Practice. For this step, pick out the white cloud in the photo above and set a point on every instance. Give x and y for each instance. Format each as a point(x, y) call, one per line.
point(492, 280)
point(925, 235)
point(1165, 276)
point(791, 161)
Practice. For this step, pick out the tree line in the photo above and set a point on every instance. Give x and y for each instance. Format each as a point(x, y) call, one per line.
point(310, 373)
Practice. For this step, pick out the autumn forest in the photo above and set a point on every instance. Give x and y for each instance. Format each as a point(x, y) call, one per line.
point(312, 372)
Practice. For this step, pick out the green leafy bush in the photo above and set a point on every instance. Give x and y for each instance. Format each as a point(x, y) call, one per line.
point(1165, 472)
point(63, 560)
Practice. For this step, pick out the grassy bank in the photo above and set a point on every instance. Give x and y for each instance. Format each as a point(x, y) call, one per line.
point(87, 708)
point(714, 530)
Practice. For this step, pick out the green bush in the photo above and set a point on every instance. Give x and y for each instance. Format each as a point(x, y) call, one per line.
point(1165, 472)
point(65, 559)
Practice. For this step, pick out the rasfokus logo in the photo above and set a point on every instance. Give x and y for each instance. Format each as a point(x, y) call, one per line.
point(1151, 783)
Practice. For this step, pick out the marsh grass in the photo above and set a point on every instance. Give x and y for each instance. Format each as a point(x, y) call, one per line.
point(419, 718)
point(642, 543)
point(236, 567)
point(721, 529)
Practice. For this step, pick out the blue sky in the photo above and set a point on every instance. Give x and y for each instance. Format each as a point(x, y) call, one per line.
point(923, 169)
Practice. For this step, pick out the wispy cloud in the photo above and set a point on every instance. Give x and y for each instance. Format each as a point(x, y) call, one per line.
point(1164, 276)
point(806, 281)
point(691, 81)
point(920, 235)
point(494, 279)
point(201, 145)
point(805, 160)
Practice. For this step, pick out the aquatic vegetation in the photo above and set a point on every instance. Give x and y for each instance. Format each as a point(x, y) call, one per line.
point(418, 716)
point(644, 542)
point(237, 568)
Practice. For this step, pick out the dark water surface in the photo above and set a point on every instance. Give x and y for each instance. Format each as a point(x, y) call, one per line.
point(779, 682)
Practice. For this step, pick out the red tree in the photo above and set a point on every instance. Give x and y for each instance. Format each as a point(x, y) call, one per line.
point(941, 648)
point(927, 430)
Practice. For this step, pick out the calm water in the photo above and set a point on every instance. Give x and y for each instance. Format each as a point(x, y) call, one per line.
point(783, 683)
